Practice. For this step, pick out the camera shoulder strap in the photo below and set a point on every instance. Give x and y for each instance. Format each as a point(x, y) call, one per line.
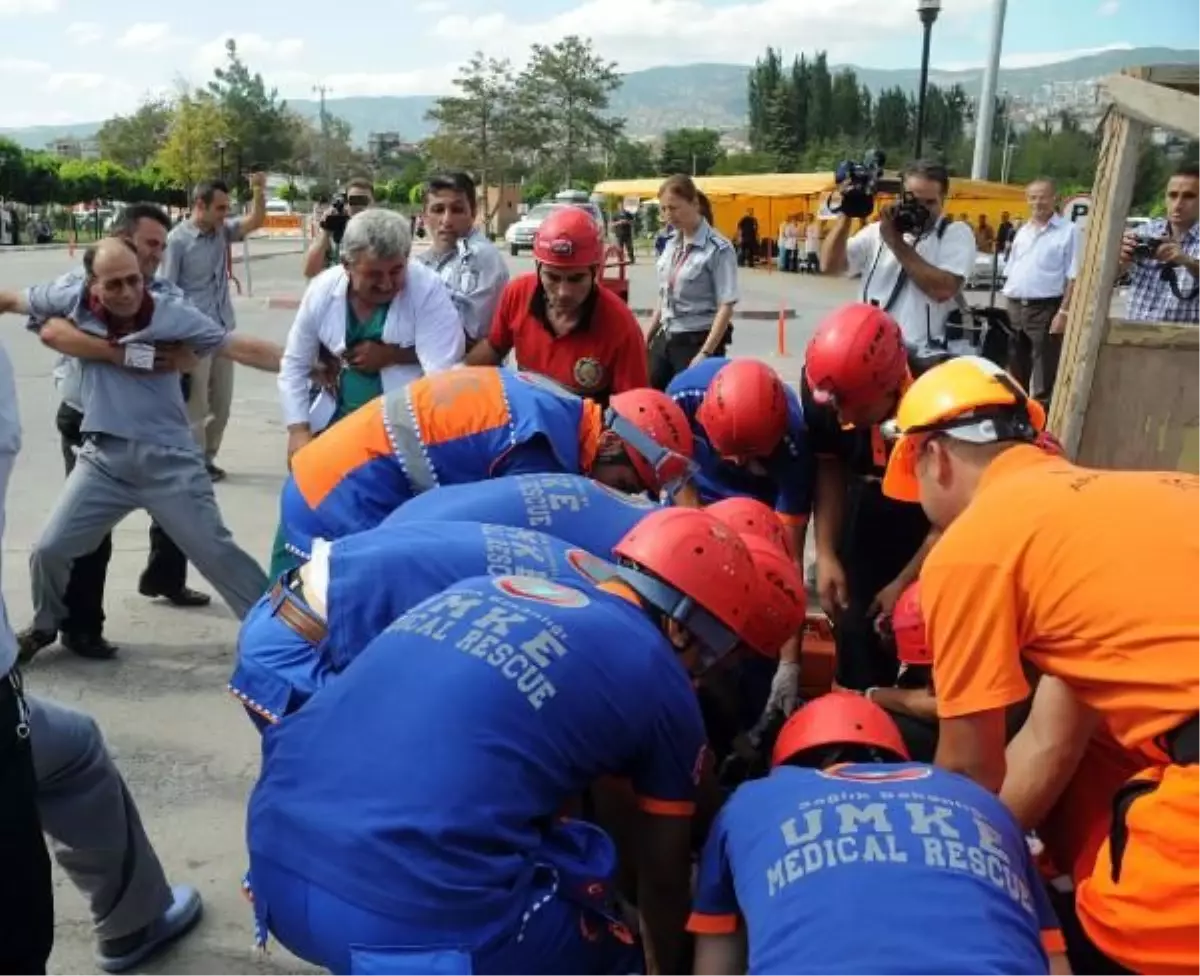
point(902, 277)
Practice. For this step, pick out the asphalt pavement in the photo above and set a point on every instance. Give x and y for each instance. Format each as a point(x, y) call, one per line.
point(188, 752)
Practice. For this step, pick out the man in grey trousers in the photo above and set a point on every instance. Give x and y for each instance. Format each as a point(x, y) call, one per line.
point(57, 776)
point(138, 450)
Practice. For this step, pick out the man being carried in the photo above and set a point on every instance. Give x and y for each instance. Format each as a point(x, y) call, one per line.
point(138, 451)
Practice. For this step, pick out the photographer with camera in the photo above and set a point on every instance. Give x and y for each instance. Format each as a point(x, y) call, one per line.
point(325, 250)
point(913, 261)
point(1162, 259)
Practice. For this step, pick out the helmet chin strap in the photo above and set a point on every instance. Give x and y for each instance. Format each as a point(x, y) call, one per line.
point(715, 638)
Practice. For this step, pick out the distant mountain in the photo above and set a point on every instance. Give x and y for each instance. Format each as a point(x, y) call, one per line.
point(657, 99)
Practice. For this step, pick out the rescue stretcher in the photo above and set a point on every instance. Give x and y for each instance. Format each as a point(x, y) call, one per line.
point(618, 285)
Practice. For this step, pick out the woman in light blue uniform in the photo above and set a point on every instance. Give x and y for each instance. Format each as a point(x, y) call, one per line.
point(697, 286)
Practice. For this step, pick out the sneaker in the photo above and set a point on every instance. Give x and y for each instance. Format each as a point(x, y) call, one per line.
point(121, 955)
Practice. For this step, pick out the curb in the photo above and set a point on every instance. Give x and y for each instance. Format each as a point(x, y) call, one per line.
point(290, 303)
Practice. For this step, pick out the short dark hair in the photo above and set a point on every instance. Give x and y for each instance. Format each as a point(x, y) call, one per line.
point(1187, 169)
point(90, 252)
point(361, 183)
point(927, 169)
point(126, 223)
point(1048, 180)
point(452, 181)
point(207, 189)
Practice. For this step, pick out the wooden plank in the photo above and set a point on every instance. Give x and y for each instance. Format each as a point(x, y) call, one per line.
point(1154, 335)
point(1183, 77)
point(1087, 322)
point(1145, 411)
point(1154, 104)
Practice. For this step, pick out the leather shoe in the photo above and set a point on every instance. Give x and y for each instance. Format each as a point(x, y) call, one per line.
point(185, 596)
point(92, 646)
point(30, 641)
point(215, 473)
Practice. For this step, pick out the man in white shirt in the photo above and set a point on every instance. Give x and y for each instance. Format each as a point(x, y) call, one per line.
point(914, 275)
point(1040, 275)
point(386, 320)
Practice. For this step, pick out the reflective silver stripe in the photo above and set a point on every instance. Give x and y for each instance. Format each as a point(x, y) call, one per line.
point(405, 435)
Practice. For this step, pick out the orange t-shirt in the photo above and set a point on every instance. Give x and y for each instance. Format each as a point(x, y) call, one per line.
point(1091, 575)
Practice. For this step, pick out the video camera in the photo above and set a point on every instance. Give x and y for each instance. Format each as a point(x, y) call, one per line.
point(860, 182)
point(336, 219)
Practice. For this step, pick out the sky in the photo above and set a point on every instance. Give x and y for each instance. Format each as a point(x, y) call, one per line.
point(81, 61)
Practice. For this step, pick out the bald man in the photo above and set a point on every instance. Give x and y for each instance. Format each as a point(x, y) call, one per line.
point(138, 451)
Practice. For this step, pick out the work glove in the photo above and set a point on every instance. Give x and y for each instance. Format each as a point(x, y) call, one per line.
point(785, 688)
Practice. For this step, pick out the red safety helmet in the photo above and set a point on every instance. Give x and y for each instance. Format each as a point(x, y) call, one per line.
point(744, 411)
point(568, 238)
point(656, 433)
point(696, 570)
point(782, 601)
point(749, 516)
point(856, 355)
point(908, 628)
point(839, 718)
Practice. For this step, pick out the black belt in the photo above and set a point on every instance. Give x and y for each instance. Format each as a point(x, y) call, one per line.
point(1182, 743)
point(1026, 302)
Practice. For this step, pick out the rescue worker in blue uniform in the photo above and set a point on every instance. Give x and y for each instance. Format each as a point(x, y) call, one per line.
point(849, 859)
point(750, 438)
point(472, 424)
point(413, 802)
point(570, 507)
point(315, 620)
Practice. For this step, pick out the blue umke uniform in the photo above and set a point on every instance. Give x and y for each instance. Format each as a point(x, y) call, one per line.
point(412, 802)
point(570, 507)
point(899, 868)
point(790, 475)
point(373, 578)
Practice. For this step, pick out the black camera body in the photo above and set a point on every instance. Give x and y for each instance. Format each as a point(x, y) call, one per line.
point(910, 215)
point(1147, 247)
point(336, 220)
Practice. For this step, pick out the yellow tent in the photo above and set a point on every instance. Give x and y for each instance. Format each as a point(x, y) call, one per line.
point(775, 196)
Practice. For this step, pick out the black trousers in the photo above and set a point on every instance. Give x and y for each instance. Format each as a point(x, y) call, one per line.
point(879, 537)
point(26, 890)
point(671, 354)
point(166, 568)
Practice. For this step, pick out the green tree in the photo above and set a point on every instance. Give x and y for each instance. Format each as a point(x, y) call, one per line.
point(132, 140)
point(13, 170)
point(42, 184)
point(190, 152)
point(258, 120)
point(629, 159)
point(893, 124)
point(480, 116)
point(694, 151)
point(765, 91)
point(737, 164)
point(846, 106)
point(564, 92)
point(821, 123)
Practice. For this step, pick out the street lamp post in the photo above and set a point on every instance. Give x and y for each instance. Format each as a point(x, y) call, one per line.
point(928, 11)
point(220, 145)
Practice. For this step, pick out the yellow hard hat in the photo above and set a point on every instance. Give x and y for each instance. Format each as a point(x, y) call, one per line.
point(969, 398)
